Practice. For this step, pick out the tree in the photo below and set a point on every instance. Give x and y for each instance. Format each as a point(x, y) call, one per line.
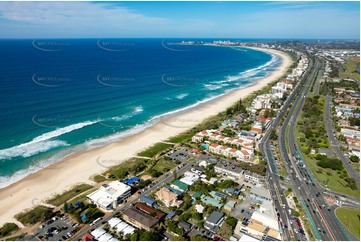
point(198, 238)
point(179, 238)
point(227, 184)
point(354, 158)
point(273, 135)
point(135, 236)
point(197, 216)
point(185, 217)
point(226, 230)
point(231, 221)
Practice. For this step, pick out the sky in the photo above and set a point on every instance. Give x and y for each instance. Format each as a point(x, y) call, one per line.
point(290, 20)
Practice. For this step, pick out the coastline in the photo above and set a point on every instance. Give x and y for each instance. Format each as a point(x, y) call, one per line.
point(79, 167)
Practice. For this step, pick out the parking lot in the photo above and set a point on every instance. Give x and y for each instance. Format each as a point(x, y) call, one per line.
point(179, 155)
point(56, 229)
point(241, 208)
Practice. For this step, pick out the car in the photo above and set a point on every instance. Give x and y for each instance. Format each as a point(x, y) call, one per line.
point(242, 210)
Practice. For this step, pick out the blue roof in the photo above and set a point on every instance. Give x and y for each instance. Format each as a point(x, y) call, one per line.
point(217, 194)
point(230, 190)
point(174, 190)
point(83, 217)
point(147, 200)
point(170, 215)
point(131, 181)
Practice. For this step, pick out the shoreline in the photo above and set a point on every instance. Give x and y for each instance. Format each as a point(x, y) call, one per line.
point(80, 166)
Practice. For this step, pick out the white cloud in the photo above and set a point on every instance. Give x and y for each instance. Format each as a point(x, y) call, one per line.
point(73, 14)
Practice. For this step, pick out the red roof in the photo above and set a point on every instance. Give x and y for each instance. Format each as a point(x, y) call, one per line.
point(204, 132)
point(88, 237)
point(245, 152)
point(232, 150)
point(147, 209)
point(249, 144)
point(224, 147)
point(214, 145)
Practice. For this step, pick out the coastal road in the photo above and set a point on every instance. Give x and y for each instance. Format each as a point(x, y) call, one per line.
point(335, 145)
point(324, 223)
point(166, 178)
point(285, 219)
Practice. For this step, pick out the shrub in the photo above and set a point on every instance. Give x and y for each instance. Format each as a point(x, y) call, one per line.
point(7, 229)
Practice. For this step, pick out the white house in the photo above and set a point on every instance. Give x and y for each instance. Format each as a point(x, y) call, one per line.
point(109, 196)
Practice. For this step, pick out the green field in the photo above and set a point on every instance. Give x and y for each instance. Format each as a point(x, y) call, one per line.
point(162, 165)
point(350, 218)
point(325, 177)
point(59, 199)
point(155, 149)
point(350, 69)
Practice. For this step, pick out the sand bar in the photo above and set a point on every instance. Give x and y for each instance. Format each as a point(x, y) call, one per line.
point(80, 166)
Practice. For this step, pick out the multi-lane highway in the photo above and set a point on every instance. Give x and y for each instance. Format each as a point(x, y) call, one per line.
point(323, 221)
point(280, 202)
point(335, 145)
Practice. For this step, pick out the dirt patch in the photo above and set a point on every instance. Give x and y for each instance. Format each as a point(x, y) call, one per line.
point(146, 177)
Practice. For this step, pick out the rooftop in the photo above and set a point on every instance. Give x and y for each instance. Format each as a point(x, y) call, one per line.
point(180, 185)
point(105, 195)
point(140, 217)
point(259, 191)
point(215, 217)
point(148, 209)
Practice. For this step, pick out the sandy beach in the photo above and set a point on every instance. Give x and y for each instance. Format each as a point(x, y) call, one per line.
point(79, 167)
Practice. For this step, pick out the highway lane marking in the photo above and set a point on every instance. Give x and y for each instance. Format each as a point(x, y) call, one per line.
point(323, 219)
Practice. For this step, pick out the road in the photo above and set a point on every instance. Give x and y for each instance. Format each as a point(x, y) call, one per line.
point(166, 178)
point(324, 222)
point(274, 185)
point(335, 145)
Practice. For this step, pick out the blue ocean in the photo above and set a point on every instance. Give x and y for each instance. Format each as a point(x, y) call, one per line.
point(59, 96)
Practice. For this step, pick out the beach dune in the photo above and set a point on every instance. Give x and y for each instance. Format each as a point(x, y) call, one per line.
point(79, 167)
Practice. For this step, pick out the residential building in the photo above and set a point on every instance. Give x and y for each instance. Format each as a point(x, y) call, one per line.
point(149, 201)
point(211, 201)
point(217, 195)
point(109, 196)
point(149, 210)
point(214, 220)
point(262, 101)
point(169, 198)
point(181, 186)
point(139, 219)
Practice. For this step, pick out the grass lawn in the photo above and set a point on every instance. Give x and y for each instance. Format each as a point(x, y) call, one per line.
point(82, 197)
point(163, 164)
point(155, 149)
point(350, 67)
point(181, 137)
point(333, 181)
point(60, 199)
point(350, 218)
